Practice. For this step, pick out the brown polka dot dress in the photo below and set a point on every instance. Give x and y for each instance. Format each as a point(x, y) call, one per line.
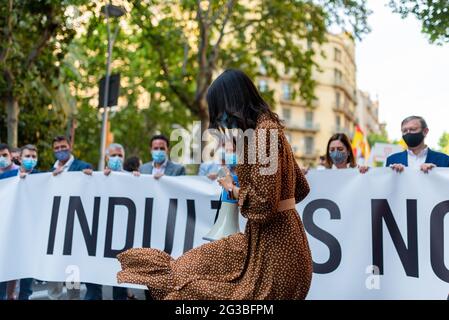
point(270, 260)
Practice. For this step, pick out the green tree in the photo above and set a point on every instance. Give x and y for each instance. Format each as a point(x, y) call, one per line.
point(33, 41)
point(377, 137)
point(444, 142)
point(187, 42)
point(434, 16)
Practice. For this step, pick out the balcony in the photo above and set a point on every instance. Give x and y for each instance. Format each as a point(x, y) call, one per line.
point(345, 110)
point(350, 90)
point(303, 126)
point(299, 103)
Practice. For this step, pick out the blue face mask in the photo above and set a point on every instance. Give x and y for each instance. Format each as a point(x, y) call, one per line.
point(4, 162)
point(29, 163)
point(231, 159)
point(224, 122)
point(338, 157)
point(62, 155)
point(115, 163)
point(158, 155)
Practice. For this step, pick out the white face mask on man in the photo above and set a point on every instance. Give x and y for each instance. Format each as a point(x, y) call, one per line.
point(4, 162)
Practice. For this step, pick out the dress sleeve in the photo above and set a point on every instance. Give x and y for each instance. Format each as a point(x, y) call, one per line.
point(260, 191)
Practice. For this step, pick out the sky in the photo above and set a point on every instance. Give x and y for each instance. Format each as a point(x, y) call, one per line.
point(410, 76)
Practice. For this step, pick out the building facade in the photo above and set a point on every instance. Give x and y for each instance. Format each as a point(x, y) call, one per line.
point(309, 128)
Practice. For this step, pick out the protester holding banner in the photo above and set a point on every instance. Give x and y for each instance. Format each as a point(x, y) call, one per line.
point(161, 164)
point(115, 158)
point(115, 155)
point(65, 161)
point(28, 160)
point(339, 154)
point(271, 259)
point(6, 163)
point(418, 155)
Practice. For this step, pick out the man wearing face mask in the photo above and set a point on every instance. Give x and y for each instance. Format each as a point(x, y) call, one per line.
point(115, 155)
point(161, 165)
point(28, 160)
point(418, 155)
point(65, 161)
point(6, 163)
point(115, 158)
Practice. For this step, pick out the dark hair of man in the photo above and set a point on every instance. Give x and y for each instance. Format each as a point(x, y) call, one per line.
point(160, 137)
point(61, 138)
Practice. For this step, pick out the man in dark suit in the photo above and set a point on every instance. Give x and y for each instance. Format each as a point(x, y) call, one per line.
point(65, 161)
point(161, 165)
point(418, 155)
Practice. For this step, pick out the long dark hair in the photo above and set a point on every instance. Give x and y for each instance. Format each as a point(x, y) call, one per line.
point(345, 140)
point(233, 92)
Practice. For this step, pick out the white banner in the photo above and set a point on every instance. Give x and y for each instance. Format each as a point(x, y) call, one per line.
point(70, 228)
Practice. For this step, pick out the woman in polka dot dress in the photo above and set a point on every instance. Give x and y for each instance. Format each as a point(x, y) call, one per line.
point(271, 259)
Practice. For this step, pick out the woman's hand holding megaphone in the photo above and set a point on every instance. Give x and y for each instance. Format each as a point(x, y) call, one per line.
point(227, 182)
point(225, 178)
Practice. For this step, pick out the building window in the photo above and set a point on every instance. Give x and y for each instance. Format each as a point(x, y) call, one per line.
point(286, 114)
point(289, 137)
point(337, 55)
point(309, 142)
point(338, 76)
point(337, 122)
point(263, 85)
point(286, 91)
point(337, 99)
point(309, 119)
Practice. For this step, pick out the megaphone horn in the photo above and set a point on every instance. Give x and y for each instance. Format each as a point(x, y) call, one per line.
point(228, 217)
point(227, 222)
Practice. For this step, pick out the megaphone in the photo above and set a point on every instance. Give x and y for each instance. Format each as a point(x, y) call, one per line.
point(228, 217)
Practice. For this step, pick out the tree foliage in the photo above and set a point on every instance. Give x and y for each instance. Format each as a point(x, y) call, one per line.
point(434, 16)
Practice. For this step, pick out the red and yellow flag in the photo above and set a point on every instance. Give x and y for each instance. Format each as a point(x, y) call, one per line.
point(360, 145)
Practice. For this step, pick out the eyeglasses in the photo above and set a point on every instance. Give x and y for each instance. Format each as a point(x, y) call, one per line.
point(412, 130)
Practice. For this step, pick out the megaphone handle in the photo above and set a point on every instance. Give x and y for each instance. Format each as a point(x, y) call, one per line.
point(218, 209)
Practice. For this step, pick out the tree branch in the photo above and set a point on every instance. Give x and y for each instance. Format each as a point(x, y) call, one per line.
point(243, 26)
point(164, 66)
point(217, 14)
point(214, 54)
point(49, 30)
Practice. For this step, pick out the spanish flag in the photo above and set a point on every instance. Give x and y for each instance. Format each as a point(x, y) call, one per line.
point(360, 145)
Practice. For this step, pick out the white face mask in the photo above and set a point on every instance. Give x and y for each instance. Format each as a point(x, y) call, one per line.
point(4, 162)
